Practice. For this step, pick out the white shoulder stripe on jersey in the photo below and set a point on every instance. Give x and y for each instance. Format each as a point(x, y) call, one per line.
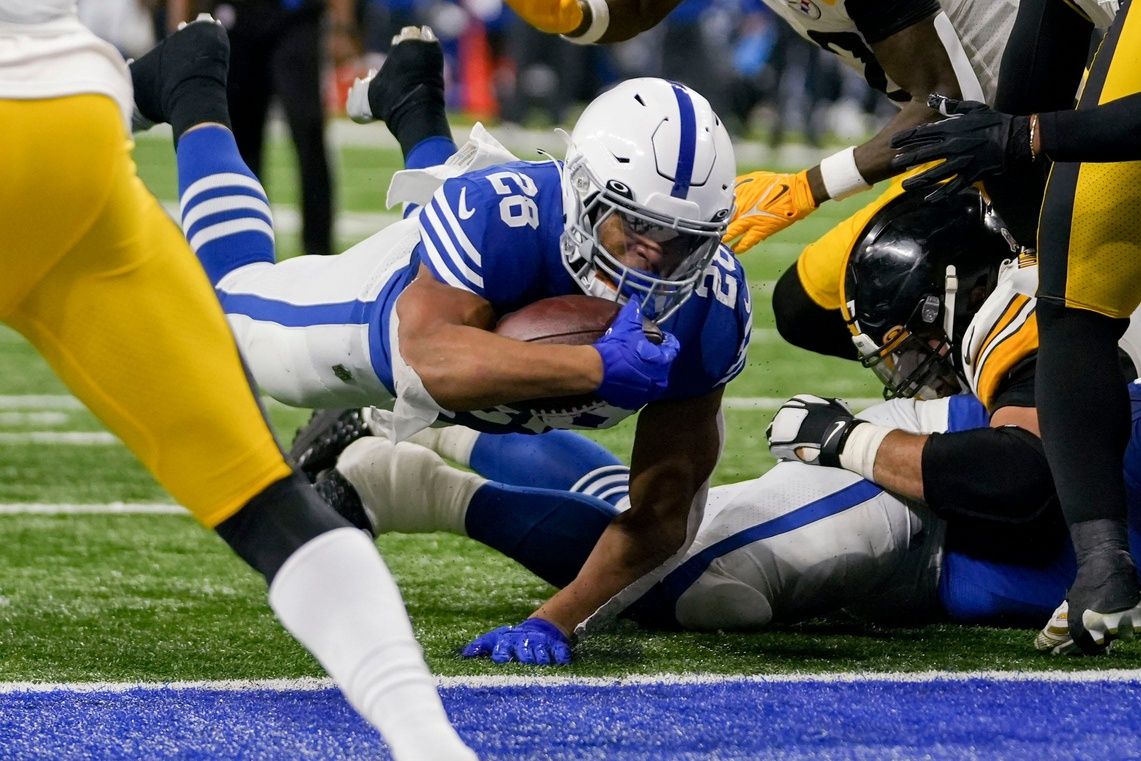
point(234, 226)
point(438, 265)
point(460, 237)
point(969, 84)
point(454, 258)
point(225, 203)
point(224, 179)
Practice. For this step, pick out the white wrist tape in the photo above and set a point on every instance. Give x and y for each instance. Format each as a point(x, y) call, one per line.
point(859, 455)
point(599, 23)
point(840, 175)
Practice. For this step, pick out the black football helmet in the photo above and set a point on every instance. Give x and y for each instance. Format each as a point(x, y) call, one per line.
point(913, 282)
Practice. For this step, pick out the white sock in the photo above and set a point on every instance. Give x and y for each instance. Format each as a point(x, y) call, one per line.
point(336, 596)
point(406, 487)
point(452, 441)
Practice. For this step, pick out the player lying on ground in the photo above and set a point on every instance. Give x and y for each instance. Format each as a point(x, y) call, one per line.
point(635, 214)
point(930, 315)
point(794, 543)
point(103, 285)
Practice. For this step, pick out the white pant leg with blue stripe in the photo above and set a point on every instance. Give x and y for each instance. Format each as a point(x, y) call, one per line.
point(313, 329)
point(802, 540)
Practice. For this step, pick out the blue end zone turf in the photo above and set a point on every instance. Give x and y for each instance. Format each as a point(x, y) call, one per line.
point(939, 718)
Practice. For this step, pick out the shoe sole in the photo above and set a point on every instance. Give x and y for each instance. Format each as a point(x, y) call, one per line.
point(1103, 628)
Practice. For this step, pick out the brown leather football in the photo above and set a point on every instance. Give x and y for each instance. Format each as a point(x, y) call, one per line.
point(574, 320)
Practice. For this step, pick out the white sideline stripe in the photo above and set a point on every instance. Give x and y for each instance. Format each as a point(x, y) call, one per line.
point(514, 681)
point(108, 508)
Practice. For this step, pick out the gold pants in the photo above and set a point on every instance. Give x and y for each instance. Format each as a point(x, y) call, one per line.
point(101, 281)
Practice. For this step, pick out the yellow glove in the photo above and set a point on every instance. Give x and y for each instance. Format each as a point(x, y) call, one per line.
point(551, 16)
point(767, 202)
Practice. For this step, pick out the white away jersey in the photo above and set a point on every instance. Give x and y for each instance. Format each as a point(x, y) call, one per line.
point(974, 32)
point(802, 540)
point(46, 53)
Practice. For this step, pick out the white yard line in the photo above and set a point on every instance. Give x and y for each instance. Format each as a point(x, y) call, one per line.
point(103, 438)
point(74, 438)
point(65, 402)
point(39, 402)
point(523, 142)
point(515, 681)
point(33, 418)
point(107, 508)
point(773, 402)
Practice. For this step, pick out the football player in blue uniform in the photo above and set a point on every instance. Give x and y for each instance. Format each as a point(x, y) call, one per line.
point(635, 214)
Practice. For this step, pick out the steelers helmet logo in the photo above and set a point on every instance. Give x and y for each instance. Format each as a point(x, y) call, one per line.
point(807, 7)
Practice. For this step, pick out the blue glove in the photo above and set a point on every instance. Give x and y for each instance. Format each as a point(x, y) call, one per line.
point(635, 370)
point(534, 641)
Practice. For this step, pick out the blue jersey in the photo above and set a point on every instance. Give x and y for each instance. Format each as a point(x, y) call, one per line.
point(495, 232)
point(318, 331)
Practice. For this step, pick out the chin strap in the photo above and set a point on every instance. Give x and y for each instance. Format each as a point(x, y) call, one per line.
point(950, 290)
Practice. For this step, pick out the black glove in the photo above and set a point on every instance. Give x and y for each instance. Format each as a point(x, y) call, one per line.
point(811, 429)
point(975, 140)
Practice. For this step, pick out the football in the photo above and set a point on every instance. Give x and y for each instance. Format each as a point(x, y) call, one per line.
point(574, 320)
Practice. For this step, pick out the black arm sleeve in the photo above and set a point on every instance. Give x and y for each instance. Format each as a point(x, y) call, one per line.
point(879, 19)
point(804, 323)
point(997, 474)
point(1106, 133)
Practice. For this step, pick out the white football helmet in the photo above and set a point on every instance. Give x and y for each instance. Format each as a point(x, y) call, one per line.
point(647, 192)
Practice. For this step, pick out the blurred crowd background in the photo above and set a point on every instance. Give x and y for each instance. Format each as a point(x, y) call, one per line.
point(292, 62)
point(765, 81)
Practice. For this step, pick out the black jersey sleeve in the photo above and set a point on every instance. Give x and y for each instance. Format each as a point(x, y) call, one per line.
point(879, 19)
point(1105, 133)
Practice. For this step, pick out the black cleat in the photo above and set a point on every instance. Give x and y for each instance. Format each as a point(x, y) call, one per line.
point(318, 443)
point(1104, 602)
point(197, 55)
point(412, 75)
point(336, 490)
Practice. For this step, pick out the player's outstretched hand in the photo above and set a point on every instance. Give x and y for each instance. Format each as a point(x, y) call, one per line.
point(811, 429)
point(535, 641)
point(767, 202)
point(975, 142)
point(635, 370)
